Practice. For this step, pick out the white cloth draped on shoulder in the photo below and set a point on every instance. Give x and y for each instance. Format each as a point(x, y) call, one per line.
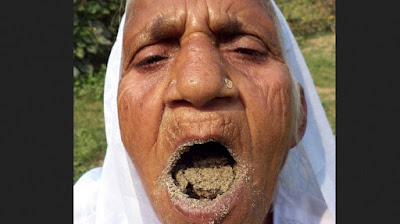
point(306, 185)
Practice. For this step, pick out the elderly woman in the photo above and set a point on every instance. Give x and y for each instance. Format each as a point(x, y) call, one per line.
point(205, 104)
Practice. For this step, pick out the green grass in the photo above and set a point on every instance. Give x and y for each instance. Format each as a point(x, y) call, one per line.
point(89, 135)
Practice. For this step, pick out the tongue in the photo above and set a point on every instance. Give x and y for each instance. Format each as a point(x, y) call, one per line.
point(207, 178)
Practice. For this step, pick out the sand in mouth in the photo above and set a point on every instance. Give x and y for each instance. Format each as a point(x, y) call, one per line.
point(206, 179)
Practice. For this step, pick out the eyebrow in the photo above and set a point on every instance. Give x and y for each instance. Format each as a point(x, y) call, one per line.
point(235, 27)
point(231, 27)
point(162, 28)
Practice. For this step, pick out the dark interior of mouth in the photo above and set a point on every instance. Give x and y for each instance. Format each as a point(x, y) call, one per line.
point(204, 171)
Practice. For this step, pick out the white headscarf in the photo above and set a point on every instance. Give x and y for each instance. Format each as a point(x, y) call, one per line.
point(305, 193)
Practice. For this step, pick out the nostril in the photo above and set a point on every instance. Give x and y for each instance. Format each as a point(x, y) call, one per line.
point(214, 102)
point(219, 101)
point(180, 103)
point(224, 99)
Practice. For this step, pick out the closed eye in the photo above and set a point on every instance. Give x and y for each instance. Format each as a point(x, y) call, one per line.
point(248, 51)
point(150, 60)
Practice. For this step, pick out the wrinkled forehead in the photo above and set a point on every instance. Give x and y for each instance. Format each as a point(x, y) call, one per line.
point(264, 4)
point(190, 9)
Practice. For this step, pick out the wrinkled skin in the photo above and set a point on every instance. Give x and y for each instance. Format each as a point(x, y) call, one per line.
point(176, 55)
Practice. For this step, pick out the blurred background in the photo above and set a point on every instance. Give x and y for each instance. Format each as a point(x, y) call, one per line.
point(95, 27)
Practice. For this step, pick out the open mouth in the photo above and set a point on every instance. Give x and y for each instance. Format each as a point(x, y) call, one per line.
point(204, 180)
point(204, 171)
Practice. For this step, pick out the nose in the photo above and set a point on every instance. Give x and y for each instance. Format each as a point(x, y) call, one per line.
point(199, 76)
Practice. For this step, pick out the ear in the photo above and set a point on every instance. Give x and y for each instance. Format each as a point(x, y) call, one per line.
point(302, 121)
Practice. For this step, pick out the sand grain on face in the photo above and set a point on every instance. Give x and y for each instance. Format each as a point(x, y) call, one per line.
point(208, 178)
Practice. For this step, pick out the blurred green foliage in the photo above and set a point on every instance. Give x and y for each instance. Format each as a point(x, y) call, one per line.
point(307, 17)
point(91, 84)
point(95, 26)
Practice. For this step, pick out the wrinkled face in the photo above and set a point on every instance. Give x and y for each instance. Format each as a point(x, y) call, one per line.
point(205, 107)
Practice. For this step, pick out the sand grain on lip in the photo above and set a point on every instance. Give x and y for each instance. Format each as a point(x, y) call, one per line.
point(208, 178)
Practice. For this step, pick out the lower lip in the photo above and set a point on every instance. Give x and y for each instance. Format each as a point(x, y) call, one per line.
point(208, 210)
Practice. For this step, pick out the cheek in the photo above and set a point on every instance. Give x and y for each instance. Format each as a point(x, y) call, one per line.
point(271, 101)
point(268, 101)
point(139, 115)
point(276, 107)
point(269, 111)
